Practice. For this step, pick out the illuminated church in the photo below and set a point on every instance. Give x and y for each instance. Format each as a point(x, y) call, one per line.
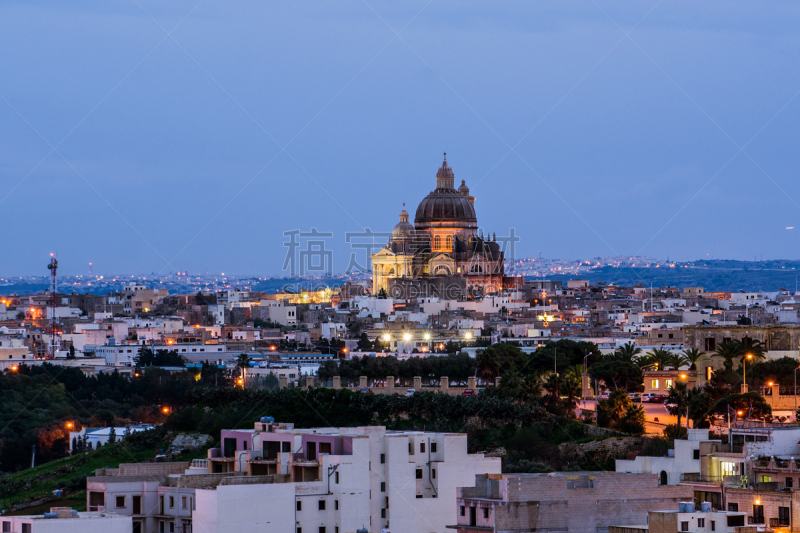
point(443, 243)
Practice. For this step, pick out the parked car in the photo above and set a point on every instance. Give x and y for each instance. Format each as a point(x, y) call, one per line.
point(635, 397)
point(468, 392)
point(604, 395)
point(365, 390)
point(410, 393)
point(649, 397)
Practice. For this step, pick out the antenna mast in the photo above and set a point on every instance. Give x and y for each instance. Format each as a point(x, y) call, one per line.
point(53, 266)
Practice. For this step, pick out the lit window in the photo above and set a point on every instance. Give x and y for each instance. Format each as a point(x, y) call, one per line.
point(654, 384)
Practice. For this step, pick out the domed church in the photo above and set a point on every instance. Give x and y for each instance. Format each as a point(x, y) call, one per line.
point(443, 242)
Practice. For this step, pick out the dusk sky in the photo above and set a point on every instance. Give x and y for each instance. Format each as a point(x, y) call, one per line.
point(189, 137)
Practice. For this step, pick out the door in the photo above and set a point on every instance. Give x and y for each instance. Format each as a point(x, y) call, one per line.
point(271, 449)
point(758, 514)
point(311, 453)
point(229, 447)
point(137, 526)
point(473, 516)
point(137, 505)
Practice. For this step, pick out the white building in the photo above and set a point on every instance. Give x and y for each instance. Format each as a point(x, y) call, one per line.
point(329, 479)
point(67, 520)
point(684, 460)
point(102, 435)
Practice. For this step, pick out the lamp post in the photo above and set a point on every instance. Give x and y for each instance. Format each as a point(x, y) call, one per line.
point(585, 371)
point(685, 377)
point(744, 371)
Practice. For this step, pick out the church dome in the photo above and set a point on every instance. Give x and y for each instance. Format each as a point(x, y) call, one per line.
point(404, 230)
point(446, 204)
point(463, 189)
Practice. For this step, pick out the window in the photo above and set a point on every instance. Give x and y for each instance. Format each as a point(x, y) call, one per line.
point(383, 458)
point(766, 479)
point(709, 374)
point(433, 447)
point(421, 447)
point(711, 344)
point(336, 476)
point(383, 513)
point(119, 501)
point(299, 530)
point(437, 242)
point(383, 486)
point(448, 243)
point(172, 502)
point(789, 482)
point(783, 516)
point(183, 502)
point(419, 473)
point(486, 512)
point(387, 502)
point(684, 526)
point(161, 527)
point(299, 505)
point(335, 505)
point(701, 522)
point(713, 525)
point(286, 447)
point(322, 529)
point(696, 454)
point(463, 511)
point(758, 514)
point(433, 473)
point(245, 445)
point(654, 384)
point(411, 448)
point(26, 528)
point(727, 468)
point(667, 383)
point(733, 507)
point(172, 527)
point(6, 527)
point(322, 505)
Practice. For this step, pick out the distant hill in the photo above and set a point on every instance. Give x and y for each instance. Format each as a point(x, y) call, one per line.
point(712, 275)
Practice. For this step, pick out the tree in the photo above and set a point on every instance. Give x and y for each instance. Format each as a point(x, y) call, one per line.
point(628, 353)
point(676, 401)
point(677, 360)
point(74, 445)
point(127, 433)
point(728, 351)
point(633, 421)
point(660, 358)
point(693, 357)
point(755, 348)
point(364, 344)
point(112, 435)
point(750, 404)
point(618, 374)
point(243, 361)
point(613, 408)
point(71, 354)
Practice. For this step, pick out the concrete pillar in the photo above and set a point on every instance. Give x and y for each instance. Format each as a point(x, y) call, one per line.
point(390, 384)
point(497, 381)
point(472, 383)
point(284, 382)
point(362, 382)
point(337, 382)
point(309, 381)
point(445, 386)
point(586, 387)
point(417, 383)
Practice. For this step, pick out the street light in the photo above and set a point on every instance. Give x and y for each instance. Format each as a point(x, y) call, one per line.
point(744, 371)
point(427, 336)
point(406, 337)
point(69, 425)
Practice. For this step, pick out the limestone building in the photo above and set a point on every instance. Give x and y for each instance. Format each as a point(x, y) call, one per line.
point(444, 241)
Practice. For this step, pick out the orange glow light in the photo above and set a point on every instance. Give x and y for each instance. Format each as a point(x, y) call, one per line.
point(272, 347)
point(165, 410)
point(69, 425)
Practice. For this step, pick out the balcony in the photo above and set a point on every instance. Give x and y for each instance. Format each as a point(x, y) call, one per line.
point(775, 464)
point(755, 520)
point(700, 478)
point(779, 522)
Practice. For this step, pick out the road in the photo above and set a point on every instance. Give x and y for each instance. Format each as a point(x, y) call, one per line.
point(656, 413)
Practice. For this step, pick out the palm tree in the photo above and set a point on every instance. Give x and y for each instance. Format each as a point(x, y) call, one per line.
point(617, 403)
point(628, 353)
point(489, 364)
point(659, 357)
point(728, 351)
point(694, 356)
point(511, 380)
point(677, 360)
point(574, 372)
point(677, 401)
point(752, 347)
point(571, 388)
point(553, 383)
point(531, 386)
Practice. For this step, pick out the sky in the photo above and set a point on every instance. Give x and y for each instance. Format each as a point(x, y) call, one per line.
point(152, 137)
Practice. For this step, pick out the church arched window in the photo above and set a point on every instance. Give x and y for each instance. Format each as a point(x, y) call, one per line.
point(449, 243)
point(437, 242)
point(476, 268)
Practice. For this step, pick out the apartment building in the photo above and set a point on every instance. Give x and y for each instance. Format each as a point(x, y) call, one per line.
point(66, 520)
point(578, 502)
point(688, 518)
point(321, 480)
point(671, 469)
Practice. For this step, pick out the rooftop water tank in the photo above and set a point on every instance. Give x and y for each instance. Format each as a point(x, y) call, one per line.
point(686, 507)
point(705, 507)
